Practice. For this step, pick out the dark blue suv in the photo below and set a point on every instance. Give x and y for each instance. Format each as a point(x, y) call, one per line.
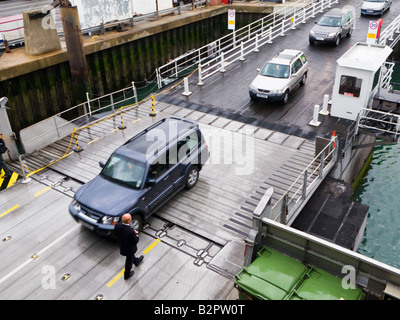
point(142, 175)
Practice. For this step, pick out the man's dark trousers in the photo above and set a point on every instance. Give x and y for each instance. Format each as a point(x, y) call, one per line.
point(127, 240)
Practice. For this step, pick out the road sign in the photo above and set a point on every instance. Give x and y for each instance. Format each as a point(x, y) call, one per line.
point(374, 28)
point(231, 19)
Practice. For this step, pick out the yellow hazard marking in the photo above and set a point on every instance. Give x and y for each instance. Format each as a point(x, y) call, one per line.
point(136, 120)
point(41, 191)
point(8, 211)
point(371, 35)
point(7, 182)
point(91, 141)
point(147, 250)
point(119, 275)
point(7, 239)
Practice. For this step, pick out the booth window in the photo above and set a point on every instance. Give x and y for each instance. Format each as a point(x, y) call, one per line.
point(350, 86)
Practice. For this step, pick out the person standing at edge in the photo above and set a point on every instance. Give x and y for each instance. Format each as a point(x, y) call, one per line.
point(127, 239)
point(3, 149)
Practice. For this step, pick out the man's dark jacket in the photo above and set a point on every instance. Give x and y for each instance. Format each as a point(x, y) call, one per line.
point(127, 239)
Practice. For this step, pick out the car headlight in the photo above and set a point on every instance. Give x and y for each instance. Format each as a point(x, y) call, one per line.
point(276, 91)
point(109, 220)
point(312, 33)
point(252, 88)
point(332, 35)
point(76, 205)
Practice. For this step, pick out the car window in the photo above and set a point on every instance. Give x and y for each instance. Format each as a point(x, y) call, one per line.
point(275, 70)
point(303, 58)
point(124, 170)
point(329, 21)
point(296, 66)
point(158, 168)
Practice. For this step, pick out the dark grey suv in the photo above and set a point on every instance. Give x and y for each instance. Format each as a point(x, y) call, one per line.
point(142, 175)
point(332, 27)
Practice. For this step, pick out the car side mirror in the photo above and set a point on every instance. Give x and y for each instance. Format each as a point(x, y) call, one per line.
point(258, 69)
point(151, 182)
point(101, 164)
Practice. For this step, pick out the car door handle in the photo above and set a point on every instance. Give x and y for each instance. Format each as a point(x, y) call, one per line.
point(166, 178)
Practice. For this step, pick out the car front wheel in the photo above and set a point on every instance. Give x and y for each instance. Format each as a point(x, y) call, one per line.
point(136, 222)
point(192, 177)
point(285, 97)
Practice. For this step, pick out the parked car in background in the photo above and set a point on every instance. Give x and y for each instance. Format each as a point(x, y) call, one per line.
point(332, 27)
point(279, 76)
point(375, 7)
point(142, 175)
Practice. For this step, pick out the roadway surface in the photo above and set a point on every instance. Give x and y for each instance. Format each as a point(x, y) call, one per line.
point(45, 254)
point(227, 93)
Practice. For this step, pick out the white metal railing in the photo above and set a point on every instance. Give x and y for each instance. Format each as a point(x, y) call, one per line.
point(390, 30)
point(290, 204)
point(375, 120)
point(60, 125)
point(220, 53)
point(387, 76)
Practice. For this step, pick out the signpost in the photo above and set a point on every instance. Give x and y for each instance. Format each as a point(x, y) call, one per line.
point(374, 29)
point(231, 19)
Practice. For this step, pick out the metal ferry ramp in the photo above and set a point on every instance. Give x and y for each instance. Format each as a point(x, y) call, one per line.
point(194, 243)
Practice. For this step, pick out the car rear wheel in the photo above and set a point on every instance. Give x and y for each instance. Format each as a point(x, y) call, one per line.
point(303, 80)
point(192, 177)
point(136, 222)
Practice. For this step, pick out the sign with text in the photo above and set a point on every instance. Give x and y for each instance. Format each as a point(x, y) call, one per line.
point(231, 19)
point(374, 29)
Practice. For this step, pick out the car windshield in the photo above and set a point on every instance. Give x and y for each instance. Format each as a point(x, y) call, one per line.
point(329, 21)
point(125, 171)
point(275, 70)
point(375, 0)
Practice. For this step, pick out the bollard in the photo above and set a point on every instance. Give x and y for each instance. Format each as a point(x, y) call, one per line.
point(241, 52)
point(121, 127)
point(200, 83)
point(77, 149)
point(25, 179)
point(324, 110)
point(186, 85)
point(314, 122)
point(153, 101)
point(222, 63)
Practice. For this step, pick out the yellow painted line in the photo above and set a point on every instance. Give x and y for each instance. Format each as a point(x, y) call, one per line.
point(93, 140)
point(119, 275)
point(116, 129)
point(147, 250)
point(8, 211)
point(136, 120)
point(13, 178)
point(40, 192)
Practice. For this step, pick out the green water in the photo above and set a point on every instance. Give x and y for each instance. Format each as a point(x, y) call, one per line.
point(379, 189)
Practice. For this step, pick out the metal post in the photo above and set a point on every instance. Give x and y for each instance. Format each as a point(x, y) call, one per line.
point(321, 168)
point(186, 85)
point(241, 52)
point(8, 134)
point(122, 127)
point(222, 63)
point(24, 179)
point(77, 149)
point(135, 92)
point(153, 101)
point(256, 49)
point(304, 194)
point(200, 83)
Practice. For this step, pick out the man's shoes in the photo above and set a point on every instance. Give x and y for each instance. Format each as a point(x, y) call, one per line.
point(138, 261)
point(130, 275)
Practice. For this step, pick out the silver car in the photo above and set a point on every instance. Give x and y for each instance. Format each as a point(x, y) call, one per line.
point(332, 27)
point(280, 76)
point(375, 7)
